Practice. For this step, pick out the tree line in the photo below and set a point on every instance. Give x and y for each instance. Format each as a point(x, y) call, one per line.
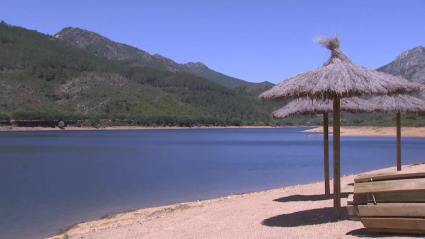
point(93, 119)
point(44, 63)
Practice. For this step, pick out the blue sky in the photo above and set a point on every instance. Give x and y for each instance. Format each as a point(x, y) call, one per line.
point(251, 40)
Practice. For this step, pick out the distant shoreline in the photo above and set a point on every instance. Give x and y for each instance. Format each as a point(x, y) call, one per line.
point(374, 131)
point(354, 131)
point(14, 128)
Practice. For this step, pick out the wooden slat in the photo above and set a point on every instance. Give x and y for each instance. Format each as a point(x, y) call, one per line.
point(392, 210)
point(389, 197)
point(350, 198)
point(394, 223)
point(360, 198)
point(353, 212)
point(398, 231)
point(401, 185)
point(388, 176)
point(357, 199)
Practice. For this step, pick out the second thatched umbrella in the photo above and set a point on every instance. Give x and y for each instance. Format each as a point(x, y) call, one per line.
point(338, 78)
point(306, 106)
point(399, 104)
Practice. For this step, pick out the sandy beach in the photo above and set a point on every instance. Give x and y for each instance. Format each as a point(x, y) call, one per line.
point(345, 130)
point(292, 212)
point(374, 131)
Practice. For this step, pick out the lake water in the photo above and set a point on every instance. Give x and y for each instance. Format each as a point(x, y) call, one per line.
point(51, 180)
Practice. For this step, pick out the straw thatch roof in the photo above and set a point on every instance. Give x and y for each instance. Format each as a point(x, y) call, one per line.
point(339, 76)
point(399, 103)
point(306, 106)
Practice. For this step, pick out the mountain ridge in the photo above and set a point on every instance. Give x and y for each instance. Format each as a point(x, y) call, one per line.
point(43, 79)
point(409, 64)
point(104, 47)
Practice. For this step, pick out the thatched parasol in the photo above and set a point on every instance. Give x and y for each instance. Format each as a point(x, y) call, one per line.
point(399, 104)
point(306, 106)
point(338, 78)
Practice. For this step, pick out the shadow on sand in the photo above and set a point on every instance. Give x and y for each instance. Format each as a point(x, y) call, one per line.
point(304, 218)
point(362, 232)
point(298, 198)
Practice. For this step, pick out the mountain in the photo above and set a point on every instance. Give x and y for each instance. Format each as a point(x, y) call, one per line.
point(125, 54)
point(41, 78)
point(409, 64)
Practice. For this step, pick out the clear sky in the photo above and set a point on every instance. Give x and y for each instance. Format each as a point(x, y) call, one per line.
point(251, 40)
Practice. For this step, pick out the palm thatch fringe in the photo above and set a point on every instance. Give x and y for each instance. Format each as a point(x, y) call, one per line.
point(306, 106)
point(399, 103)
point(339, 76)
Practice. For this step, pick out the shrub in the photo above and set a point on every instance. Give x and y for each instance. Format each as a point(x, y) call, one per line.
point(4, 117)
point(411, 116)
point(358, 121)
point(61, 124)
point(236, 121)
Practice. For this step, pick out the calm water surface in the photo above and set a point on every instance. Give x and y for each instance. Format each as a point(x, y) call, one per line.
point(51, 180)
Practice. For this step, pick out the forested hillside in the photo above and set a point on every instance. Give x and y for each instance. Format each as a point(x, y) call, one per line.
point(103, 47)
point(45, 80)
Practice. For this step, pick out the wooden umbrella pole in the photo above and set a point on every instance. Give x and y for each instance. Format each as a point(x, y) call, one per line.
point(398, 142)
point(337, 157)
point(326, 153)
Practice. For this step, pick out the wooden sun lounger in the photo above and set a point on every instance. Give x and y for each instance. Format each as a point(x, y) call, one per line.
point(389, 203)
